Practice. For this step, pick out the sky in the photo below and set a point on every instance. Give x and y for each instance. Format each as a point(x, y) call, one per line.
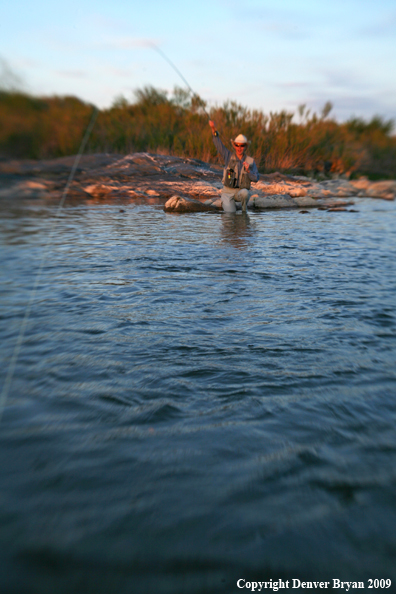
point(260, 53)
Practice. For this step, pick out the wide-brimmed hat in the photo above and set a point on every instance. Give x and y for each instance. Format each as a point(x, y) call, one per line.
point(240, 139)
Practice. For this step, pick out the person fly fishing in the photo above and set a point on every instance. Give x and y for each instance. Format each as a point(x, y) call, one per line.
point(239, 171)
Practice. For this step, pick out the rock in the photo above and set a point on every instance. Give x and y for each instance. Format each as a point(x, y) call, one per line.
point(201, 188)
point(75, 191)
point(183, 204)
point(318, 192)
point(216, 202)
point(155, 178)
point(282, 187)
point(136, 163)
point(59, 165)
point(189, 168)
point(104, 191)
point(274, 201)
point(26, 189)
point(282, 201)
point(98, 189)
point(297, 192)
point(337, 203)
point(386, 190)
point(299, 188)
point(339, 187)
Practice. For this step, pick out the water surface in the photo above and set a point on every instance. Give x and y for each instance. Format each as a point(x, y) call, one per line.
point(198, 398)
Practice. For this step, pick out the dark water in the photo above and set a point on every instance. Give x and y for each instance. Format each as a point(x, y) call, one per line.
point(198, 399)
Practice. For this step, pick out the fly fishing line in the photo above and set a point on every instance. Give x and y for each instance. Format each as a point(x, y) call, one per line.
point(169, 61)
point(18, 344)
point(161, 53)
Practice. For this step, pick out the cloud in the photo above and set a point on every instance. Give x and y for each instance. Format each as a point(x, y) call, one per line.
point(350, 92)
point(342, 79)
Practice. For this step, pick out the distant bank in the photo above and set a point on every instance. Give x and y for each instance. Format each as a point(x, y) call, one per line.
point(301, 144)
point(155, 179)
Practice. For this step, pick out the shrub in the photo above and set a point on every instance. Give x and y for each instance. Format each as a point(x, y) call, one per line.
point(33, 127)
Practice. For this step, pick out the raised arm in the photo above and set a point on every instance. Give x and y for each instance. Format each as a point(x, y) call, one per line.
point(221, 149)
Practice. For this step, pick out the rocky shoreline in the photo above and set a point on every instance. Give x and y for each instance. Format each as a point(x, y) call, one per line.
point(180, 185)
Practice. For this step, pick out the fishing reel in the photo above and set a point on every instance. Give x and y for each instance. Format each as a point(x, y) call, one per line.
point(230, 180)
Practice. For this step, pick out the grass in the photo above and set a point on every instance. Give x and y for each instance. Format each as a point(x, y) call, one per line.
point(303, 143)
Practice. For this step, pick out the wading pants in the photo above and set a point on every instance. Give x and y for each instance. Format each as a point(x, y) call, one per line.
point(229, 195)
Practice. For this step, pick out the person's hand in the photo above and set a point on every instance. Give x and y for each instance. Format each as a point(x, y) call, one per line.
point(246, 166)
point(212, 125)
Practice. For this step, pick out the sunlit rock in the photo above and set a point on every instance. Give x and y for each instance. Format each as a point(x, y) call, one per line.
point(297, 191)
point(152, 177)
point(279, 188)
point(339, 187)
point(100, 190)
point(183, 204)
point(76, 191)
point(386, 190)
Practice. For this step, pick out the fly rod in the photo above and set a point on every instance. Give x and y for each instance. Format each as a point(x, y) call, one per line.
point(169, 61)
point(161, 53)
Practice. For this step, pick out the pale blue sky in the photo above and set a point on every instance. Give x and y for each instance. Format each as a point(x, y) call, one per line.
point(262, 54)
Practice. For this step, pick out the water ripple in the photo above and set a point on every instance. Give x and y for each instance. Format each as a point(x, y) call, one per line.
point(197, 394)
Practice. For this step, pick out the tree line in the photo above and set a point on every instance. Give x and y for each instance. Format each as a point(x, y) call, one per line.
point(176, 124)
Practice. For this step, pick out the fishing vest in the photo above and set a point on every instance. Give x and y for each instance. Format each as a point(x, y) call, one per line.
point(230, 178)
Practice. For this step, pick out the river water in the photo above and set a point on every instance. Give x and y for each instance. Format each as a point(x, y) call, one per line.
point(198, 399)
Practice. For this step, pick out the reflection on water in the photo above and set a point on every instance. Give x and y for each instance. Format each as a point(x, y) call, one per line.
point(198, 399)
point(237, 229)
